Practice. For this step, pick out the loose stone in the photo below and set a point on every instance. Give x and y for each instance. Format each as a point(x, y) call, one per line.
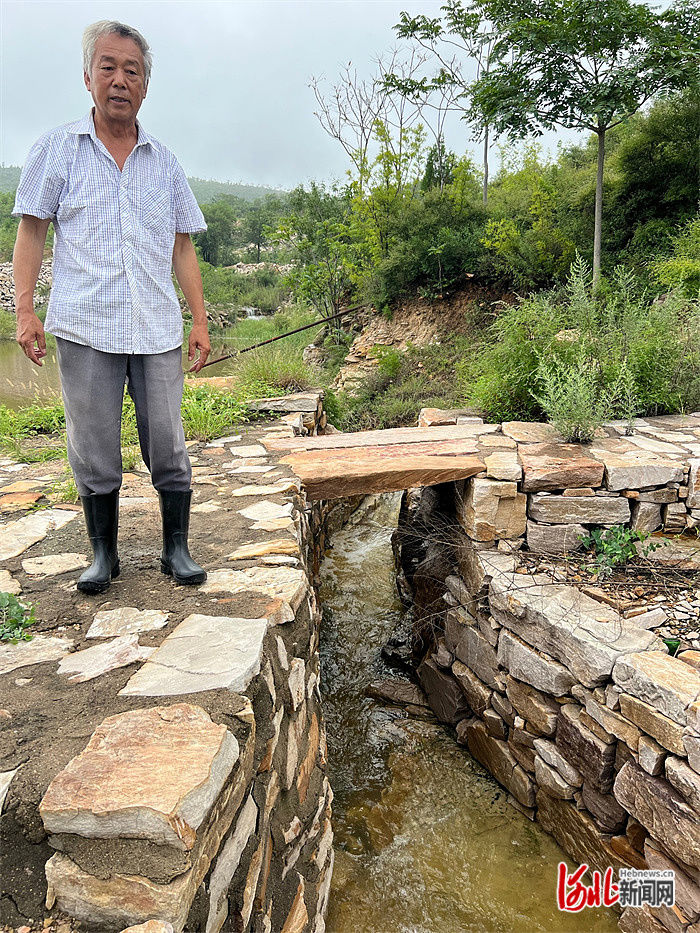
point(202, 653)
point(40, 648)
point(54, 564)
point(126, 620)
point(124, 782)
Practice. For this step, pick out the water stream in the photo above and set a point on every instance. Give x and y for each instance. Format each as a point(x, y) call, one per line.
point(425, 840)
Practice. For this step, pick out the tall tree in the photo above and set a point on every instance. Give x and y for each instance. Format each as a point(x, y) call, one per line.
point(216, 241)
point(461, 41)
point(583, 64)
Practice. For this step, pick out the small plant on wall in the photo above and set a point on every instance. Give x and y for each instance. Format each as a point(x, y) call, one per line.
point(613, 547)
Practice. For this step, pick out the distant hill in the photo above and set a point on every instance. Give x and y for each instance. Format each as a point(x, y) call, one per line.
point(205, 189)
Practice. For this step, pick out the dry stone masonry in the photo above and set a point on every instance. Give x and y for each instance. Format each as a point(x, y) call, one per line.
point(162, 750)
point(568, 698)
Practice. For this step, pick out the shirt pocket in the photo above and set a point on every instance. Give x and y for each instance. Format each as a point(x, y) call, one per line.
point(71, 218)
point(156, 215)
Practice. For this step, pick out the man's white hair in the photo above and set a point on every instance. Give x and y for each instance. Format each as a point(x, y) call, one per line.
point(107, 27)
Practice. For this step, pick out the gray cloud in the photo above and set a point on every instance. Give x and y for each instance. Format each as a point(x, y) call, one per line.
point(229, 90)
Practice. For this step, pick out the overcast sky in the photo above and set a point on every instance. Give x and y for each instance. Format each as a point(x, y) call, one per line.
point(229, 90)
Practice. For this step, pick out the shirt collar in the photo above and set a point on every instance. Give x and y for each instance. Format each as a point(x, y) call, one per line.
point(86, 127)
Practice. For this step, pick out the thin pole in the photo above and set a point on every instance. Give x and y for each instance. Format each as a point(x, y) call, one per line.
point(298, 330)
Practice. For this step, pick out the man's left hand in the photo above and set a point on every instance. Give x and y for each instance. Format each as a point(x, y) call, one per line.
point(199, 343)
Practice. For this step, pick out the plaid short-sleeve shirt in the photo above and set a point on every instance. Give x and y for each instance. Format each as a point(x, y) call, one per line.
point(114, 235)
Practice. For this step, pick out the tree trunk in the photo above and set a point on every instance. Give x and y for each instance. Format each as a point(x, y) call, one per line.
point(486, 166)
point(598, 209)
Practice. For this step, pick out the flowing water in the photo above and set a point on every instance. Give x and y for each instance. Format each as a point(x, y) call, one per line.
point(425, 840)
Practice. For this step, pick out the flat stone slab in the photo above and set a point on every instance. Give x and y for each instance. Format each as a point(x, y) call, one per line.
point(566, 624)
point(628, 467)
point(249, 450)
point(54, 564)
point(206, 507)
point(591, 510)
point(5, 781)
point(146, 774)
point(274, 489)
point(16, 501)
point(202, 653)
point(666, 683)
point(383, 438)
point(118, 901)
point(330, 478)
point(661, 810)
point(151, 926)
point(8, 584)
point(558, 466)
point(265, 548)
point(267, 511)
point(126, 621)
point(673, 553)
point(17, 536)
point(250, 470)
point(299, 401)
point(530, 432)
point(21, 485)
point(285, 583)
point(41, 648)
point(89, 663)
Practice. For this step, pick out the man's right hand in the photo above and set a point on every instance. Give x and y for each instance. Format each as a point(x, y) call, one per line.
point(30, 336)
point(26, 265)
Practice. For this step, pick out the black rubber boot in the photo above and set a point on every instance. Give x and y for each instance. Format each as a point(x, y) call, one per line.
point(175, 558)
point(102, 520)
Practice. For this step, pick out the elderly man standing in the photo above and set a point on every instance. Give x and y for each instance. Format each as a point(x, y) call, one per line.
point(123, 213)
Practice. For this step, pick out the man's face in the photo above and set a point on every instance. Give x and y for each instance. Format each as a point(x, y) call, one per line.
point(116, 80)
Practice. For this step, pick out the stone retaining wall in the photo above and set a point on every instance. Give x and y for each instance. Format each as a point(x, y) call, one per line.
point(576, 709)
point(204, 803)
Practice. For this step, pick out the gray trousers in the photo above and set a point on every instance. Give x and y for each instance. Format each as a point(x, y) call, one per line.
point(92, 383)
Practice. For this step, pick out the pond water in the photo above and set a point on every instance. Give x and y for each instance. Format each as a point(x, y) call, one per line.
point(425, 840)
point(23, 383)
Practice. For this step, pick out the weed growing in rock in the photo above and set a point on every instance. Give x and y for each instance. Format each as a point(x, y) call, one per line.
point(63, 489)
point(615, 546)
point(15, 619)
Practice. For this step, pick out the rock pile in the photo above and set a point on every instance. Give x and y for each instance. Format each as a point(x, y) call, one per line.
point(7, 283)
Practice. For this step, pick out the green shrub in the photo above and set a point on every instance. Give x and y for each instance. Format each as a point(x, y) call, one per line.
point(18, 423)
point(434, 244)
point(208, 413)
point(572, 398)
point(682, 267)
point(273, 370)
point(402, 384)
point(614, 546)
point(653, 344)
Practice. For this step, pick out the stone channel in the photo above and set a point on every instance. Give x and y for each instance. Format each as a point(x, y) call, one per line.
point(163, 753)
